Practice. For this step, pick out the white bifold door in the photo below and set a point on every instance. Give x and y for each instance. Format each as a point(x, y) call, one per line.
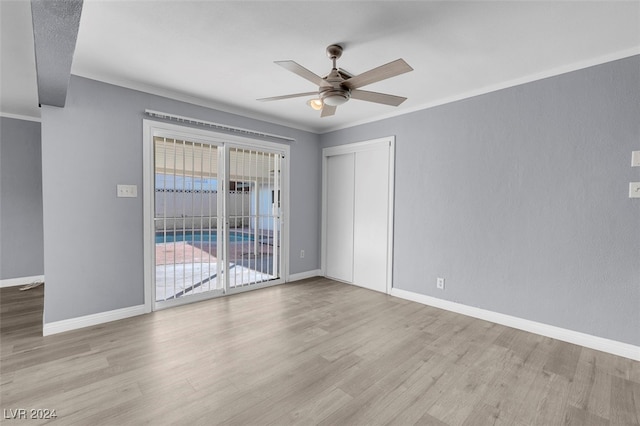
point(358, 213)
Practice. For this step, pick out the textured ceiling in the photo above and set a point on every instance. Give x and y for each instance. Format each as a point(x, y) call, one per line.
point(220, 53)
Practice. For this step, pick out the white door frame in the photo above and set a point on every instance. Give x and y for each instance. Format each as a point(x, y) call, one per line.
point(153, 128)
point(355, 147)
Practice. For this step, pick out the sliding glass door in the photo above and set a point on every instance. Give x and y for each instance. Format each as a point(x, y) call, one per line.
point(217, 217)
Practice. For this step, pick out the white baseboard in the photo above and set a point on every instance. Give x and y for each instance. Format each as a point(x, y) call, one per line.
point(103, 317)
point(21, 281)
point(303, 275)
point(20, 117)
point(89, 320)
point(598, 343)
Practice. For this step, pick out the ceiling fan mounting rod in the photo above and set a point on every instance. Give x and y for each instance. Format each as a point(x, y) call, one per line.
point(334, 51)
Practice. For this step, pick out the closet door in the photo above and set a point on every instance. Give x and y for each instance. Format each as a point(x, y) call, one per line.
point(371, 205)
point(339, 199)
point(357, 213)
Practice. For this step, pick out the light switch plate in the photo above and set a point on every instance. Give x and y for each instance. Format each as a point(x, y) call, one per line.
point(634, 189)
point(127, 191)
point(635, 159)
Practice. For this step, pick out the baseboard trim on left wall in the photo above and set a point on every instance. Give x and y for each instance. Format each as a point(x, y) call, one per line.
point(11, 282)
point(89, 320)
point(118, 314)
point(304, 275)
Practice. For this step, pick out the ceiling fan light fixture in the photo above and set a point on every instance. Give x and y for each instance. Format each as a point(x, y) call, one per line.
point(315, 103)
point(335, 97)
point(335, 100)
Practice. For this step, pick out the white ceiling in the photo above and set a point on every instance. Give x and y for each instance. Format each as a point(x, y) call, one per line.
point(220, 53)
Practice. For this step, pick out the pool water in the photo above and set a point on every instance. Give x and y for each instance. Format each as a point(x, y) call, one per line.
point(198, 237)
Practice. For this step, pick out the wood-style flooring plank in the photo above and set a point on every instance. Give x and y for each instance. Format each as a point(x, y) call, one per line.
point(312, 352)
point(625, 402)
point(590, 389)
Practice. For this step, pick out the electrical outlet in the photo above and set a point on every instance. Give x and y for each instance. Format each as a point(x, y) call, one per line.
point(635, 159)
point(440, 283)
point(301, 254)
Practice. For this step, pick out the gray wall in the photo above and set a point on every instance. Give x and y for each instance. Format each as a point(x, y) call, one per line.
point(93, 240)
point(519, 199)
point(21, 252)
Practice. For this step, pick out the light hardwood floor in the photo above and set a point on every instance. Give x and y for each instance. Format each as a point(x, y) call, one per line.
point(312, 352)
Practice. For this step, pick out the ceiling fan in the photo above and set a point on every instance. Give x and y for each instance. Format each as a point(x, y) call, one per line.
point(339, 86)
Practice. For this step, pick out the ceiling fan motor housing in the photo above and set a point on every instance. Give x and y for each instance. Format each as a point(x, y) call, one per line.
point(336, 94)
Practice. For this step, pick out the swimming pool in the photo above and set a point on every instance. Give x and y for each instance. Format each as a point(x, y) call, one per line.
point(199, 237)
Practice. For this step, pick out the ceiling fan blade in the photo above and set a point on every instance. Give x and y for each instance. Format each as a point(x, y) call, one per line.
point(392, 69)
point(327, 110)
point(380, 98)
point(296, 68)
point(295, 95)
